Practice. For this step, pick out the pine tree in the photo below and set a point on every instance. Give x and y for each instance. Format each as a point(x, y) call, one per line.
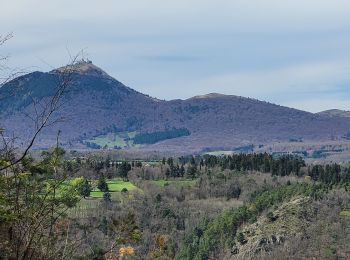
point(124, 168)
point(85, 189)
point(102, 184)
point(182, 170)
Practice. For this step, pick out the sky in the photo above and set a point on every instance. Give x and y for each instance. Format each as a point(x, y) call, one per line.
point(294, 53)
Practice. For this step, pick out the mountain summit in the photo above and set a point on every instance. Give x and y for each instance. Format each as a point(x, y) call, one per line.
point(83, 67)
point(210, 95)
point(335, 112)
point(100, 111)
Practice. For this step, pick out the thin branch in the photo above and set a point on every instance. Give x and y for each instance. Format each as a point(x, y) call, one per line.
point(65, 80)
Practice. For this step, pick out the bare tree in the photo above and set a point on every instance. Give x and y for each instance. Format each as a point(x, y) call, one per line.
point(33, 205)
point(6, 73)
point(42, 117)
point(3, 40)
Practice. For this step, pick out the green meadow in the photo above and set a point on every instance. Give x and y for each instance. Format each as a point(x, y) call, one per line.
point(114, 185)
point(111, 140)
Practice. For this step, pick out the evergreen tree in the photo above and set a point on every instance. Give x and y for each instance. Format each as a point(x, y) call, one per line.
point(170, 161)
point(102, 184)
point(192, 169)
point(138, 164)
point(182, 170)
point(124, 168)
point(85, 189)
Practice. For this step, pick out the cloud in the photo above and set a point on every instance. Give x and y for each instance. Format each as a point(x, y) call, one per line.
point(319, 104)
point(170, 58)
point(291, 85)
point(158, 16)
point(282, 51)
point(301, 78)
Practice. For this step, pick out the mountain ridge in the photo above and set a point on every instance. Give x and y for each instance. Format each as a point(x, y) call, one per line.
point(335, 112)
point(100, 107)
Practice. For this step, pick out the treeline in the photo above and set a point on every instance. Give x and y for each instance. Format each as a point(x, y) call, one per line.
point(152, 138)
point(261, 162)
point(331, 174)
point(92, 168)
point(334, 174)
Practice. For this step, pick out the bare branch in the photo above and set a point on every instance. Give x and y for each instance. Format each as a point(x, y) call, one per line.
point(43, 120)
point(5, 38)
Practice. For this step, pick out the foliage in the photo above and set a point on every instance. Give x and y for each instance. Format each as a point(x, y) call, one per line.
point(263, 162)
point(102, 184)
point(34, 201)
point(210, 236)
point(85, 188)
point(331, 174)
point(124, 168)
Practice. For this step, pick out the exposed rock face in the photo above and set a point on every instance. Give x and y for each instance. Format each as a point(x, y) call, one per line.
point(289, 220)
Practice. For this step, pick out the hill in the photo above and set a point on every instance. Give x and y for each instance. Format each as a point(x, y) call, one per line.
point(335, 112)
point(100, 111)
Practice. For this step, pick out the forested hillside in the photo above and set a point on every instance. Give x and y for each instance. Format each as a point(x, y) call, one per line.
point(98, 111)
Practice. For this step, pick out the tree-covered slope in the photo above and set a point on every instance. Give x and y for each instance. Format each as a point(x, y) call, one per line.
point(96, 105)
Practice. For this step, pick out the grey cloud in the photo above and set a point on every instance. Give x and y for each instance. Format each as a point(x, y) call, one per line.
point(177, 49)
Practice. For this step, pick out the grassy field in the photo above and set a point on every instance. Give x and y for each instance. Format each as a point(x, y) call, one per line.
point(114, 139)
point(218, 153)
point(114, 185)
point(178, 183)
point(85, 206)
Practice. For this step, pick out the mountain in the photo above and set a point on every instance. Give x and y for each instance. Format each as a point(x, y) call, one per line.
point(335, 112)
point(100, 111)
